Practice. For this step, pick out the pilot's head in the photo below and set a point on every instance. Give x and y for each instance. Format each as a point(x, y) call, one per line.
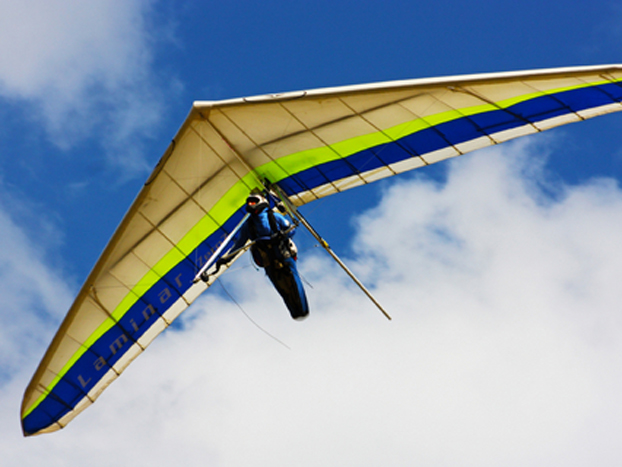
point(256, 202)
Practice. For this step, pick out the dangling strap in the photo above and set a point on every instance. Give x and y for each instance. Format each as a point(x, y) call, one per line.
point(272, 221)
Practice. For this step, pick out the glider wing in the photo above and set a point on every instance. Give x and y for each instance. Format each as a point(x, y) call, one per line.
point(312, 144)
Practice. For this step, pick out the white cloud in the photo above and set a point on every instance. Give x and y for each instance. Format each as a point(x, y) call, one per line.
point(81, 67)
point(34, 297)
point(504, 348)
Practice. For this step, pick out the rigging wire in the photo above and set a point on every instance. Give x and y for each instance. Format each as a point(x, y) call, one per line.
point(251, 319)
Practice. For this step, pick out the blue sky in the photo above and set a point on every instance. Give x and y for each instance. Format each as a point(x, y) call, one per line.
point(512, 320)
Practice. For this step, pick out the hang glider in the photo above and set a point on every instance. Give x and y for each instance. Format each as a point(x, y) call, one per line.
point(309, 144)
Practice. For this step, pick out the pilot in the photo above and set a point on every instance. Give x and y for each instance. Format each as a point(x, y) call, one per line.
point(273, 250)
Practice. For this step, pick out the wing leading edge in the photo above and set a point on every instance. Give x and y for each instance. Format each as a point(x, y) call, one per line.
point(312, 144)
